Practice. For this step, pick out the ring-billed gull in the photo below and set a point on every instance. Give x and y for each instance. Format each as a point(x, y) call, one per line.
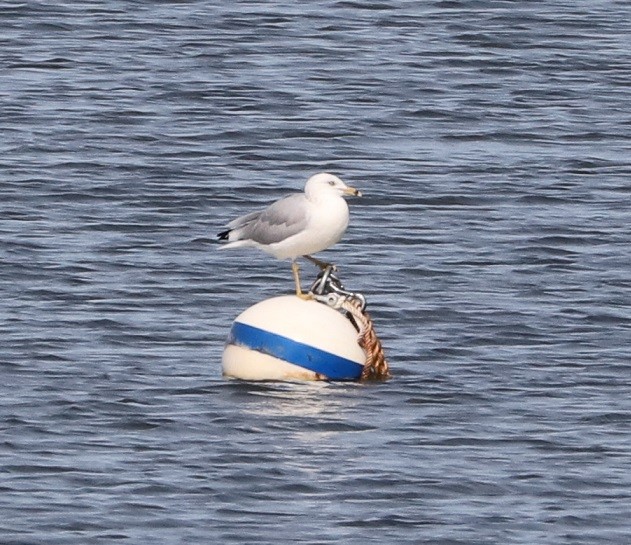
point(297, 225)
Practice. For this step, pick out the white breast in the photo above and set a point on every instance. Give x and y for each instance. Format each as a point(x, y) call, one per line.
point(328, 219)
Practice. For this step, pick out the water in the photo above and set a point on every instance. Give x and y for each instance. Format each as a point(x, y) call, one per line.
point(492, 142)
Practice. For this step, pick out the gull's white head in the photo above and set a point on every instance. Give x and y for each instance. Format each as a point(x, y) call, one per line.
point(325, 184)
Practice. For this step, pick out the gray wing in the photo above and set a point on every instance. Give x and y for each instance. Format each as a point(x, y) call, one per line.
point(277, 222)
point(244, 220)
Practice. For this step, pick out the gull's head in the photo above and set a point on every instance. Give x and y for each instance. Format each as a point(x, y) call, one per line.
point(325, 184)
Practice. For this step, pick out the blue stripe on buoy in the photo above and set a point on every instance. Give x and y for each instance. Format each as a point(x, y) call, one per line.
point(303, 355)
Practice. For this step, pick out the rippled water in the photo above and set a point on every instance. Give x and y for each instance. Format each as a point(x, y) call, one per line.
point(492, 141)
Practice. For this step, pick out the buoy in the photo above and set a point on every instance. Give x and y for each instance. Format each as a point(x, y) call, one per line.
point(288, 338)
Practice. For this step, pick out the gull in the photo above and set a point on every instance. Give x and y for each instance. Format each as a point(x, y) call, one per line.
point(296, 226)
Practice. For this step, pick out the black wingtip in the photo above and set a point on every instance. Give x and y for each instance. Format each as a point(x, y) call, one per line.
point(224, 235)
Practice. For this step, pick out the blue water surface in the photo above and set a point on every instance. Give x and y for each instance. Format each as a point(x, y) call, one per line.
point(492, 141)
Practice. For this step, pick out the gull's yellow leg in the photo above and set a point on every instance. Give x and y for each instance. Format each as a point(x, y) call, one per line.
point(319, 263)
point(295, 269)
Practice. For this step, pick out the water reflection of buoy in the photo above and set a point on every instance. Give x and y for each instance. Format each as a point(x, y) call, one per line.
point(288, 338)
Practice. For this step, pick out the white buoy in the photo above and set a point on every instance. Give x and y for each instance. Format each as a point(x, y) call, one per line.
point(287, 338)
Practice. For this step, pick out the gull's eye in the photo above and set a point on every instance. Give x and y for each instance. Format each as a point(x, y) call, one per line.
point(331, 182)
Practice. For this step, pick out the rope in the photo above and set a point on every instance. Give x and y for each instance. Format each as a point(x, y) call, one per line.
point(375, 366)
